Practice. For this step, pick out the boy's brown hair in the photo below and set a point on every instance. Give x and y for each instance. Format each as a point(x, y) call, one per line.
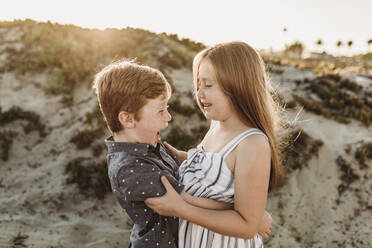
point(126, 86)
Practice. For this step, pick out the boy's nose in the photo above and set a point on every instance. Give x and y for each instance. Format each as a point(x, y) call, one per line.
point(169, 117)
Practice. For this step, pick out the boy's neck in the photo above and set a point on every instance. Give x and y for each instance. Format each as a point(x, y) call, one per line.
point(128, 137)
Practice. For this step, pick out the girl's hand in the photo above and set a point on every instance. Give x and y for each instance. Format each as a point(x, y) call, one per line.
point(266, 225)
point(181, 155)
point(169, 204)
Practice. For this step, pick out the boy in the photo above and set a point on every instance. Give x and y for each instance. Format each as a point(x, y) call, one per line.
point(133, 100)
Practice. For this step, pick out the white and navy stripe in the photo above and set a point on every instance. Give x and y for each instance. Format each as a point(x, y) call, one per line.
point(206, 174)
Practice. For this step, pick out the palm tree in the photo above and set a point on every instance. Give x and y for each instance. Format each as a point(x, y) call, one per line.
point(369, 42)
point(350, 43)
point(319, 43)
point(339, 44)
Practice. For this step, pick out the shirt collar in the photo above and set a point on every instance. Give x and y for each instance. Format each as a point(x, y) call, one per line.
point(130, 147)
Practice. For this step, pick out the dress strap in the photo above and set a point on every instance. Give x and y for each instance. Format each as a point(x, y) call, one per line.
point(235, 141)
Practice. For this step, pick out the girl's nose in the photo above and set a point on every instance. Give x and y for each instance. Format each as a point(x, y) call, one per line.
point(200, 93)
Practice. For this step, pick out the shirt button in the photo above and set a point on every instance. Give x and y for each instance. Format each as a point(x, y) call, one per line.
point(135, 149)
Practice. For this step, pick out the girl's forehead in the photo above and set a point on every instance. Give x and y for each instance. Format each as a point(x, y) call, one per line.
point(206, 70)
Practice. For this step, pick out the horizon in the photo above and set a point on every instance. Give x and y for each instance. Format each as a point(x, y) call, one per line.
point(304, 22)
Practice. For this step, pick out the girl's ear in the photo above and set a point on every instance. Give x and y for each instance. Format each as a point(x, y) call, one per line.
point(127, 119)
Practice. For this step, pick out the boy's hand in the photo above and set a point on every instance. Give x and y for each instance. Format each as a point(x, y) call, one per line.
point(181, 155)
point(266, 225)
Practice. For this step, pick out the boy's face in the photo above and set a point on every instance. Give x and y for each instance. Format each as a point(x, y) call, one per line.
point(153, 117)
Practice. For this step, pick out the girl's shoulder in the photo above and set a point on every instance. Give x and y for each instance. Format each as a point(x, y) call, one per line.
point(256, 142)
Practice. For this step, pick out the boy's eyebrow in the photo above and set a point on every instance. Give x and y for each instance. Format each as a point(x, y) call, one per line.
point(165, 102)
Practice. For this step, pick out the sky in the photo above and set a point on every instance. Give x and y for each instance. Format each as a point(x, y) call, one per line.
point(259, 23)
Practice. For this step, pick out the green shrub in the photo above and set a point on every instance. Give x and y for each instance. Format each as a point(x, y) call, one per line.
point(97, 149)
point(171, 61)
point(32, 119)
point(6, 140)
point(291, 104)
point(73, 54)
point(90, 177)
point(177, 107)
point(348, 176)
point(181, 140)
point(297, 149)
point(95, 116)
point(337, 102)
point(83, 139)
point(363, 153)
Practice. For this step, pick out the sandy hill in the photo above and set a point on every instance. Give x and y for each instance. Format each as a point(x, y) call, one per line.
point(54, 190)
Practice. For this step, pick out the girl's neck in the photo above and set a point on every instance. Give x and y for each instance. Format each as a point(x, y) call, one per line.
point(232, 124)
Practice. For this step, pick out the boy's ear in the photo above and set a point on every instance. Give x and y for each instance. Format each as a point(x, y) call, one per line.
point(127, 119)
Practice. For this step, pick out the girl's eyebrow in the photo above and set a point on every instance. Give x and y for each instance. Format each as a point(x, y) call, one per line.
point(203, 79)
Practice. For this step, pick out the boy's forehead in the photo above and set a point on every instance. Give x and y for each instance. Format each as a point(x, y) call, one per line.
point(157, 102)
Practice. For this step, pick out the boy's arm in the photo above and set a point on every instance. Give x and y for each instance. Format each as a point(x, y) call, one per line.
point(205, 202)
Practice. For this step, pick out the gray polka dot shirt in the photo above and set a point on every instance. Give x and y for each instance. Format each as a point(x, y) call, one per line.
point(134, 170)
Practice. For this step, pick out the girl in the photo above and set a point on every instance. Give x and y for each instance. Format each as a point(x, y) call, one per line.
point(237, 161)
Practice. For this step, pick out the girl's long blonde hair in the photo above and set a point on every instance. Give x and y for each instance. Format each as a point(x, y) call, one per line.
point(240, 72)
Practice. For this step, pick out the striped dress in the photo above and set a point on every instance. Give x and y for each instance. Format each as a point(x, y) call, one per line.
point(205, 174)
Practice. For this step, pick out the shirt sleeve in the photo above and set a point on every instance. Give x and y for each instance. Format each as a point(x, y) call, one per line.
point(140, 180)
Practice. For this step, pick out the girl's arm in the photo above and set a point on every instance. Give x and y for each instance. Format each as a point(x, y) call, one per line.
point(266, 222)
point(181, 155)
point(205, 202)
point(252, 174)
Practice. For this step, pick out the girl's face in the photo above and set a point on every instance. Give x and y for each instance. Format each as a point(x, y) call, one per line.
point(214, 103)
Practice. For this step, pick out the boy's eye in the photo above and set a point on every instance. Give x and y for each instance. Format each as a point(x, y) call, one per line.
point(163, 110)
